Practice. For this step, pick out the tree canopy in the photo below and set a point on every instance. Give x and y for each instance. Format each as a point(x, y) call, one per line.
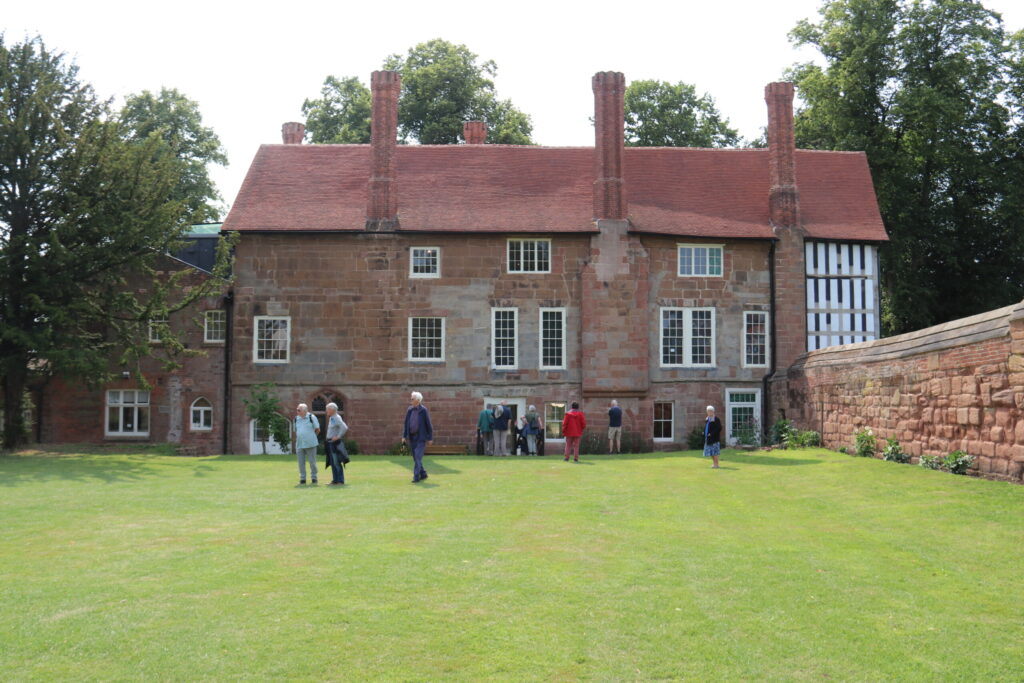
point(932, 91)
point(177, 121)
point(86, 202)
point(662, 114)
point(443, 86)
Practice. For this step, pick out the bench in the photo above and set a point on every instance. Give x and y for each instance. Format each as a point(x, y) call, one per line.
point(440, 449)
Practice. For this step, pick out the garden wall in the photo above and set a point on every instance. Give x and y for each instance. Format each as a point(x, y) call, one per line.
point(956, 386)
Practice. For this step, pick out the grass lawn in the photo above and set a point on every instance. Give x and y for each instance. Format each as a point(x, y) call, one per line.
point(784, 565)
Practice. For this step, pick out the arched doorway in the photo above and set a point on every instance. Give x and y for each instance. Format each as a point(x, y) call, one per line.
point(318, 406)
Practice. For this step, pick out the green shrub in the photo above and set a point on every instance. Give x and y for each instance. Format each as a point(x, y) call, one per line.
point(893, 452)
point(930, 462)
point(632, 442)
point(748, 432)
point(804, 439)
point(844, 450)
point(351, 447)
point(781, 432)
point(695, 439)
point(958, 462)
point(864, 443)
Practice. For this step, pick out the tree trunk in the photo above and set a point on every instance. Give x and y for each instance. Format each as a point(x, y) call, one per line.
point(15, 377)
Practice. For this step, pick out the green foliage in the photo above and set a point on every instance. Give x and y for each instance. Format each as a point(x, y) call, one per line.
point(351, 446)
point(695, 439)
point(844, 450)
point(781, 432)
point(661, 114)
point(932, 91)
point(443, 86)
point(633, 442)
point(864, 443)
point(595, 442)
point(176, 120)
point(263, 407)
point(87, 206)
point(893, 452)
point(341, 115)
point(804, 439)
point(958, 462)
point(931, 462)
point(748, 432)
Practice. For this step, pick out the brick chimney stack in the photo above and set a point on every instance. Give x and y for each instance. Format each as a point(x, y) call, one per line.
point(474, 132)
point(609, 125)
point(783, 198)
point(292, 133)
point(382, 202)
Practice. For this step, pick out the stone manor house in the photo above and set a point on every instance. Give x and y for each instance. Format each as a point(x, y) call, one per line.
point(666, 278)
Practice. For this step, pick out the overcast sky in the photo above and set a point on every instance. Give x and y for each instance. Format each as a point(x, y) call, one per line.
point(250, 65)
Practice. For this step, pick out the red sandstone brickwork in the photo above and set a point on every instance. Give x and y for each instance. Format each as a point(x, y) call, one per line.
point(934, 398)
point(609, 187)
point(382, 202)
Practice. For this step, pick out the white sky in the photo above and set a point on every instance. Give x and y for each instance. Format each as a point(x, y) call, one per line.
point(250, 65)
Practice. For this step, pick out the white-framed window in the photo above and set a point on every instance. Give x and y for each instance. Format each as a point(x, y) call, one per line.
point(504, 338)
point(271, 339)
point(127, 412)
point(743, 412)
point(215, 327)
point(687, 337)
point(553, 415)
point(552, 339)
point(664, 421)
point(704, 260)
point(425, 262)
point(426, 339)
point(755, 339)
point(201, 415)
point(529, 256)
point(156, 327)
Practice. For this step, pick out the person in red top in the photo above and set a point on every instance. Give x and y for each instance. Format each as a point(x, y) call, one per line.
point(573, 425)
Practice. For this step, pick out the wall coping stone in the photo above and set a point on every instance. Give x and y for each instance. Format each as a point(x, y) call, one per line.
point(962, 332)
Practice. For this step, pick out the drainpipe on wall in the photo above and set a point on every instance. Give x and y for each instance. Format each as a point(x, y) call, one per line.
point(765, 408)
point(229, 305)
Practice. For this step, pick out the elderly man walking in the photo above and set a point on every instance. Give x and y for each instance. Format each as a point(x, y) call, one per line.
point(335, 444)
point(306, 429)
point(418, 433)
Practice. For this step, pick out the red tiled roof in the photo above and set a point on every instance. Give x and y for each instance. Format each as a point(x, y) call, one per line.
point(494, 188)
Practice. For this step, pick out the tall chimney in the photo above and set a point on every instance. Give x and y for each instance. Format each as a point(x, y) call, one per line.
point(609, 124)
point(474, 132)
point(783, 197)
point(293, 132)
point(382, 202)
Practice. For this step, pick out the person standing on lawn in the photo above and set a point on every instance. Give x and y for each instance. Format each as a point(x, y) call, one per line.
point(306, 429)
point(485, 425)
point(417, 433)
point(335, 444)
point(573, 425)
point(614, 427)
point(712, 437)
point(502, 415)
point(531, 427)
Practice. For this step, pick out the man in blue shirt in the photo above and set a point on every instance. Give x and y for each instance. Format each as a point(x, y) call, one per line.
point(614, 428)
point(306, 429)
point(418, 433)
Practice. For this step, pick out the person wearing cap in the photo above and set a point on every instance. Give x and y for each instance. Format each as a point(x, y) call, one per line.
point(712, 436)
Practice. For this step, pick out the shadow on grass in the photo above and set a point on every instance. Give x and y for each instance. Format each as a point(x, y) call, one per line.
point(18, 470)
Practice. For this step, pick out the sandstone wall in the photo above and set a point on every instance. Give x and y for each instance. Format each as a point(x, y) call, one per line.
point(957, 386)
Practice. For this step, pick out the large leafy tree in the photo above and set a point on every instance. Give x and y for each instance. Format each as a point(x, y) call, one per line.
point(662, 114)
point(86, 205)
point(931, 90)
point(443, 86)
point(177, 121)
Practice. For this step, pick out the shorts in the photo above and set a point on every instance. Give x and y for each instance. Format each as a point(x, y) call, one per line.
point(614, 432)
point(712, 449)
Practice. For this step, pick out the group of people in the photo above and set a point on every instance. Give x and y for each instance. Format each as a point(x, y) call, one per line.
point(493, 425)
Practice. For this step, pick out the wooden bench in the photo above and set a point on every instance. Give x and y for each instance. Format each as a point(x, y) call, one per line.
point(441, 449)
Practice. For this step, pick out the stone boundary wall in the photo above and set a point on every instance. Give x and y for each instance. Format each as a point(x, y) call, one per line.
point(956, 386)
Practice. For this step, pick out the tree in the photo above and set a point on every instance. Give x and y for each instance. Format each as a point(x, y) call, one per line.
point(176, 119)
point(927, 89)
point(263, 407)
point(661, 114)
point(443, 86)
point(341, 115)
point(84, 207)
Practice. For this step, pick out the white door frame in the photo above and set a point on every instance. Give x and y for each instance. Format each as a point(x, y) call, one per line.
point(519, 403)
point(256, 447)
point(730, 439)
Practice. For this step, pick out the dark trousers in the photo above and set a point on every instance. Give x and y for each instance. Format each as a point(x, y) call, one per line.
point(417, 447)
point(333, 456)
